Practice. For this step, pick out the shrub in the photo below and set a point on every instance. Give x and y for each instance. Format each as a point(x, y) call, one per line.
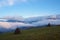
point(17, 31)
point(49, 25)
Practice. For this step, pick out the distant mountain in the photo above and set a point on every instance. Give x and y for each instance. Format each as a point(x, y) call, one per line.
point(14, 20)
point(2, 29)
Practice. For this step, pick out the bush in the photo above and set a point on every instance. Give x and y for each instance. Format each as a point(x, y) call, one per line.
point(49, 25)
point(17, 31)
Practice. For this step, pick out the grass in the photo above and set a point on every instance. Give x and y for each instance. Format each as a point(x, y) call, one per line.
point(46, 33)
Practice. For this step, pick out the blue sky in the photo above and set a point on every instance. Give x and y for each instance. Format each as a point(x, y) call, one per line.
point(29, 8)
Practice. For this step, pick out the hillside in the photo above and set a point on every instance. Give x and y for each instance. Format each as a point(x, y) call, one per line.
point(47, 33)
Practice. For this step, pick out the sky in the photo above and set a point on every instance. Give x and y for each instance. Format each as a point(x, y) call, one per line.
point(29, 8)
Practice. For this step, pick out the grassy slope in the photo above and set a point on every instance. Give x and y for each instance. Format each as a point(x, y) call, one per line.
point(48, 33)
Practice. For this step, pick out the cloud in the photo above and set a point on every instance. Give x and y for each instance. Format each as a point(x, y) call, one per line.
point(12, 2)
point(7, 2)
point(13, 25)
point(5, 24)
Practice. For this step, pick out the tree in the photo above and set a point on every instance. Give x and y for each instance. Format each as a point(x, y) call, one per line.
point(48, 25)
point(17, 31)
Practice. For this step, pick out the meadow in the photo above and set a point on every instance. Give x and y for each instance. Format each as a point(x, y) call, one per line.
point(45, 33)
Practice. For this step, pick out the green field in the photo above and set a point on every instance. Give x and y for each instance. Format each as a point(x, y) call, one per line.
point(46, 33)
